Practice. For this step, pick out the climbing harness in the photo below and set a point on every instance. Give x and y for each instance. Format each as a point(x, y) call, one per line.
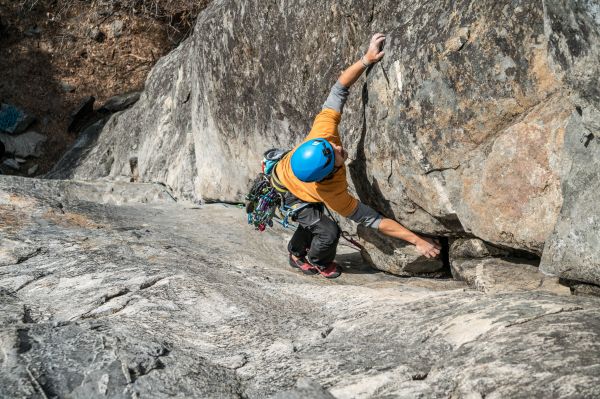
point(265, 200)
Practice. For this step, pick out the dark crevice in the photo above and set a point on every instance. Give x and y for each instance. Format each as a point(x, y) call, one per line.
point(36, 278)
point(445, 254)
point(372, 12)
point(140, 370)
point(23, 340)
point(119, 293)
point(442, 169)
point(28, 256)
point(42, 385)
point(150, 283)
point(419, 376)
point(27, 319)
point(368, 193)
point(325, 334)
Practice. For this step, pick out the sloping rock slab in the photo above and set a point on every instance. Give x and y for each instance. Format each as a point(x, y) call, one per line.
point(162, 300)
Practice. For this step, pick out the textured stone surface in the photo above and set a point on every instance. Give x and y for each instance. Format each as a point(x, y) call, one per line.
point(162, 300)
point(395, 256)
point(120, 103)
point(573, 249)
point(458, 131)
point(65, 167)
point(494, 275)
point(474, 248)
point(29, 144)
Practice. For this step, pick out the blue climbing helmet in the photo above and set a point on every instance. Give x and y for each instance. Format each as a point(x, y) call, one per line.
point(313, 160)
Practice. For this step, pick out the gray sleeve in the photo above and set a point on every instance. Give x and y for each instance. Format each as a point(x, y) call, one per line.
point(337, 97)
point(366, 216)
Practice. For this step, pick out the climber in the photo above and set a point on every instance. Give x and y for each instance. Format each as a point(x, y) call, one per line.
point(315, 173)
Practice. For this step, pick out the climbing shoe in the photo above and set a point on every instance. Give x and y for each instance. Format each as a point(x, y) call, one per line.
point(332, 270)
point(303, 265)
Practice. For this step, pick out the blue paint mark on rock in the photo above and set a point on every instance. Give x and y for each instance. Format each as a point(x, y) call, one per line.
point(13, 120)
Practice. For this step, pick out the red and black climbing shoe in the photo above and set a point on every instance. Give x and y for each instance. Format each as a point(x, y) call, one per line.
point(303, 265)
point(332, 270)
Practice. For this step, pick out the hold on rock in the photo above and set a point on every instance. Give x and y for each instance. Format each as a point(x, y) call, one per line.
point(30, 144)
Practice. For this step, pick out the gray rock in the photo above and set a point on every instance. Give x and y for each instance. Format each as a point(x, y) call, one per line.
point(474, 248)
point(12, 163)
point(120, 103)
point(82, 115)
point(586, 290)
point(159, 299)
point(30, 144)
point(31, 171)
point(395, 256)
point(305, 388)
point(461, 135)
point(494, 275)
point(573, 249)
point(116, 27)
point(96, 34)
point(14, 120)
point(65, 167)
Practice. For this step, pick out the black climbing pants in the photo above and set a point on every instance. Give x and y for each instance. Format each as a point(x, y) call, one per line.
point(317, 235)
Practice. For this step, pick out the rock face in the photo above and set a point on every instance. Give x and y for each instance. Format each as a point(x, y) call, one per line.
point(460, 130)
point(573, 249)
point(30, 144)
point(99, 299)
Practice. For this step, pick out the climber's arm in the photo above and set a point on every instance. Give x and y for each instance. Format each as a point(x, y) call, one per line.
point(339, 92)
point(368, 217)
point(373, 55)
point(425, 246)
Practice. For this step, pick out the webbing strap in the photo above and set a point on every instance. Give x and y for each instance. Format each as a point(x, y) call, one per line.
point(276, 183)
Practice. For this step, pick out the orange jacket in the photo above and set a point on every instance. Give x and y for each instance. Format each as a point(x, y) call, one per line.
point(332, 192)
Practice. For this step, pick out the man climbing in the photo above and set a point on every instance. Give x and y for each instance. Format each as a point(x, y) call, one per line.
point(314, 173)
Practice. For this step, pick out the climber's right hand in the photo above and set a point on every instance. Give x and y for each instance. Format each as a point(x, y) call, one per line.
point(428, 247)
point(375, 52)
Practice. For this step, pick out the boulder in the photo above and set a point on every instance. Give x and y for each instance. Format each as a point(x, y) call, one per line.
point(33, 169)
point(474, 248)
point(495, 275)
point(30, 144)
point(395, 256)
point(67, 87)
point(573, 249)
point(12, 163)
point(120, 103)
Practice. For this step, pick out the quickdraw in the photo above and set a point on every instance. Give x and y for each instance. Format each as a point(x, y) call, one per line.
point(262, 203)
